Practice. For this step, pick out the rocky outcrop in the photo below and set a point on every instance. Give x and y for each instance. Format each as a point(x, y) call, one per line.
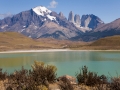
point(61, 14)
point(71, 79)
point(90, 21)
point(71, 17)
point(87, 22)
point(77, 20)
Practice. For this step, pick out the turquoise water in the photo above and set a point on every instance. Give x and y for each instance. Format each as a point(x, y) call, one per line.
point(67, 62)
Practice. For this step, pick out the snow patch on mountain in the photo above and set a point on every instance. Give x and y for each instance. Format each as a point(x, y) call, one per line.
point(84, 29)
point(22, 30)
point(41, 10)
point(76, 25)
point(4, 26)
point(24, 26)
point(100, 21)
point(51, 17)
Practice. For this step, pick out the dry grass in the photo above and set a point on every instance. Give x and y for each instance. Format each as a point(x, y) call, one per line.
point(63, 43)
point(2, 85)
point(107, 41)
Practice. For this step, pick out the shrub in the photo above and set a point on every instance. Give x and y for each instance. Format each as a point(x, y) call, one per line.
point(65, 84)
point(42, 72)
point(19, 79)
point(90, 78)
point(3, 75)
point(39, 77)
point(115, 83)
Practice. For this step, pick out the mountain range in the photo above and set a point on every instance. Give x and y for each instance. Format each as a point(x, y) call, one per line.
point(40, 22)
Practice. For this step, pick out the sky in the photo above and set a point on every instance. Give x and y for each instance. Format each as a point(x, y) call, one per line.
point(107, 10)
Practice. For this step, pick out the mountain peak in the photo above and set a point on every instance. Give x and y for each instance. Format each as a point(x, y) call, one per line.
point(41, 10)
point(77, 20)
point(90, 21)
point(71, 17)
point(61, 14)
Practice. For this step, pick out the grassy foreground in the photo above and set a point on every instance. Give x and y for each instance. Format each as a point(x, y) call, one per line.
point(43, 76)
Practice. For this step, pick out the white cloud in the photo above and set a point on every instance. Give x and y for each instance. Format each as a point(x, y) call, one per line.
point(5, 15)
point(53, 4)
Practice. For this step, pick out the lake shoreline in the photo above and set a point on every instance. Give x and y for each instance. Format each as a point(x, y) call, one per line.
point(43, 50)
point(48, 50)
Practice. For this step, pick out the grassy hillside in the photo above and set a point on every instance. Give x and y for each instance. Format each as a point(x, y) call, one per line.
point(107, 41)
point(13, 38)
point(17, 41)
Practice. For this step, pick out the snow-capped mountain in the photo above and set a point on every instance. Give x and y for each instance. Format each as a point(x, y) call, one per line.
point(40, 22)
point(43, 11)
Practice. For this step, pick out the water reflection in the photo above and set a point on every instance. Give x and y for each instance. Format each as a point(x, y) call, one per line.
point(67, 62)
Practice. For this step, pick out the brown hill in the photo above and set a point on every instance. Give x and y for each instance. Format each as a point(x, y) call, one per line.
point(107, 41)
point(16, 41)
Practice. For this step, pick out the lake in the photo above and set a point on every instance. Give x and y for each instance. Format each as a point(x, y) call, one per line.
point(67, 62)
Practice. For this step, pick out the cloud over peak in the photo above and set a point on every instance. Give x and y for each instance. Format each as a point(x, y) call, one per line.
point(5, 15)
point(53, 4)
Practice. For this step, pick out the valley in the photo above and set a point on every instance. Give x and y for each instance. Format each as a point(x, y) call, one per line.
point(16, 41)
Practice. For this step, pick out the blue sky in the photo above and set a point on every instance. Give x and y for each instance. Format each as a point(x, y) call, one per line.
point(107, 10)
